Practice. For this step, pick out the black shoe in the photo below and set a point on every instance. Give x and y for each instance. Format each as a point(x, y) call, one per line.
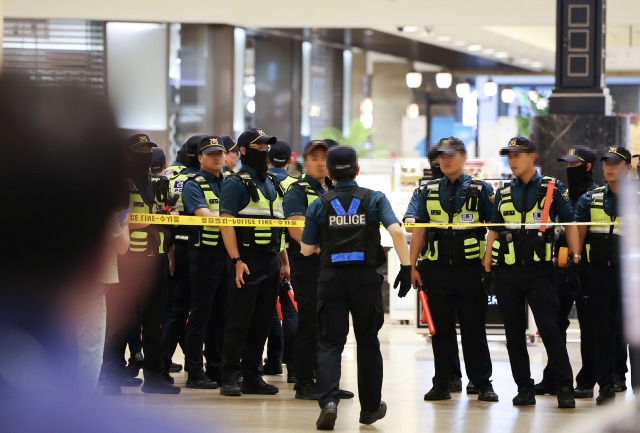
point(437, 394)
point(230, 389)
point(136, 362)
point(371, 417)
point(130, 381)
point(201, 383)
point(291, 378)
point(175, 368)
point(168, 378)
point(620, 385)
point(471, 389)
point(343, 394)
point(308, 391)
point(583, 392)
point(258, 386)
point(565, 397)
point(160, 387)
point(455, 385)
point(272, 368)
point(526, 396)
point(486, 393)
point(327, 418)
point(214, 377)
point(606, 395)
point(542, 388)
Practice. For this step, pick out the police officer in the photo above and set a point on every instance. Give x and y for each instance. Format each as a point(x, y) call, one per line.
point(603, 255)
point(455, 382)
point(281, 335)
point(451, 269)
point(580, 161)
point(232, 156)
point(142, 282)
point(184, 168)
point(254, 251)
point(525, 270)
point(304, 269)
point(208, 265)
point(345, 225)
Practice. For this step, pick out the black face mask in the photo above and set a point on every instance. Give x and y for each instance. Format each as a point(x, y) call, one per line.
point(436, 172)
point(256, 160)
point(579, 181)
point(139, 164)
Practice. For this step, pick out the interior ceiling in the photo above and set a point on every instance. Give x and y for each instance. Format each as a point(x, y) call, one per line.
point(521, 31)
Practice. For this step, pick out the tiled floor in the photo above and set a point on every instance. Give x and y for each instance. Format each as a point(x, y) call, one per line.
point(408, 368)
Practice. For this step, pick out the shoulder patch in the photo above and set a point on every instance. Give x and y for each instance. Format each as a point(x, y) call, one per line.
point(492, 197)
point(565, 195)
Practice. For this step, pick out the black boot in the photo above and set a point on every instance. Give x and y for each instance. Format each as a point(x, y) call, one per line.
point(565, 397)
point(526, 396)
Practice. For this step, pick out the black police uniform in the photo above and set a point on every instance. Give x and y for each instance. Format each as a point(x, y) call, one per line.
point(451, 271)
point(348, 220)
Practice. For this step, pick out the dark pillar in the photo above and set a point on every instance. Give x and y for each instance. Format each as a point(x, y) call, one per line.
point(580, 59)
point(278, 72)
point(218, 96)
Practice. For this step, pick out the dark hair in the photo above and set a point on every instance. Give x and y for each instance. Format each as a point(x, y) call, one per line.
point(344, 175)
point(63, 153)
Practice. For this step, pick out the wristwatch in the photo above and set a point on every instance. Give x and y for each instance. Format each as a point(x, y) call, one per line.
point(236, 260)
point(575, 256)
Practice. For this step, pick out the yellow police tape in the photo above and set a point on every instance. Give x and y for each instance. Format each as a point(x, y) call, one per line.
point(187, 220)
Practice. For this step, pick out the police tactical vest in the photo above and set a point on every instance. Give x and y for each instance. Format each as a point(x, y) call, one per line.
point(149, 240)
point(263, 237)
point(207, 235)
point(602, 243)
point(349, 237)
point(517, 244)
point(457, 244)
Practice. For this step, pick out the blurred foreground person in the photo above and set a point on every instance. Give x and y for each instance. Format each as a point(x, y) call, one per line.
point(67, 138)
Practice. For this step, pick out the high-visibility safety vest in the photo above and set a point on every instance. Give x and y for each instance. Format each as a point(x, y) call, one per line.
point(519, 245)
point(149, 240)
point(602, 242)
point(265, 237)
point(287, 182)
point(177, 179)
point(207, 235)
point(457, 244)
point(294, 247)
point(349, 237)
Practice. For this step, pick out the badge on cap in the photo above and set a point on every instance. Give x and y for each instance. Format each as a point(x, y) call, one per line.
point(572, 152)
point(261, 132)
point(613, 149)
point(142, 138)
point(513, 142)
point(213, 140)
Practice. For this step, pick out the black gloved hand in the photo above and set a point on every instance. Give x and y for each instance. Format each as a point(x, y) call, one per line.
point(488, 282)
point(404, 279)
point(574, 285)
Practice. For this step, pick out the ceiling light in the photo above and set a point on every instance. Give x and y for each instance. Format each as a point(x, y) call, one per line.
point(490, 88)
point(413, 111)
point(501, 55)
point(474, 47)
point(488, 51)
point(536, 64)
point(508, 95)
point(414, 79)
point(463, 89)
point(409, 29)
point(524, 61)
point(443, 80)
point(459, 43)
point(444, 38)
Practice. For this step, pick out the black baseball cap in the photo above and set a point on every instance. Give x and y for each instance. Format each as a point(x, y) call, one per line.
point(136, 141)
point(209, 144)
point(617, 153)
point(280, 152)
point(315, 144)
point(342, 160)
point(451, 145)
point(158, 160)
point(228, 143)
point(255, 136)
point(330, 142)
point(579, 154)
point(518, 144)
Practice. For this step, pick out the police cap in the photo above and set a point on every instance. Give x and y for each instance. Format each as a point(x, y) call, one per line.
point(579, 154)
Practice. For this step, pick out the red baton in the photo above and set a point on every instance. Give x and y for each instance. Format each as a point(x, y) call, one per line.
point(426, 312)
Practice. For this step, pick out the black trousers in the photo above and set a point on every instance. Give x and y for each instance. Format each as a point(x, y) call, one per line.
point(355, 289)
point(606, 308)
point(304, 278)
point(249, 316)
point(586, 377)
point(143, 285)
point(457, 289)
point(174, 325)
point(282, 333)
point(208, 276)
point(533, 284)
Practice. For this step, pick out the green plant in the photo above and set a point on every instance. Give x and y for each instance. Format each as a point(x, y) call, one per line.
point(358, 138)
